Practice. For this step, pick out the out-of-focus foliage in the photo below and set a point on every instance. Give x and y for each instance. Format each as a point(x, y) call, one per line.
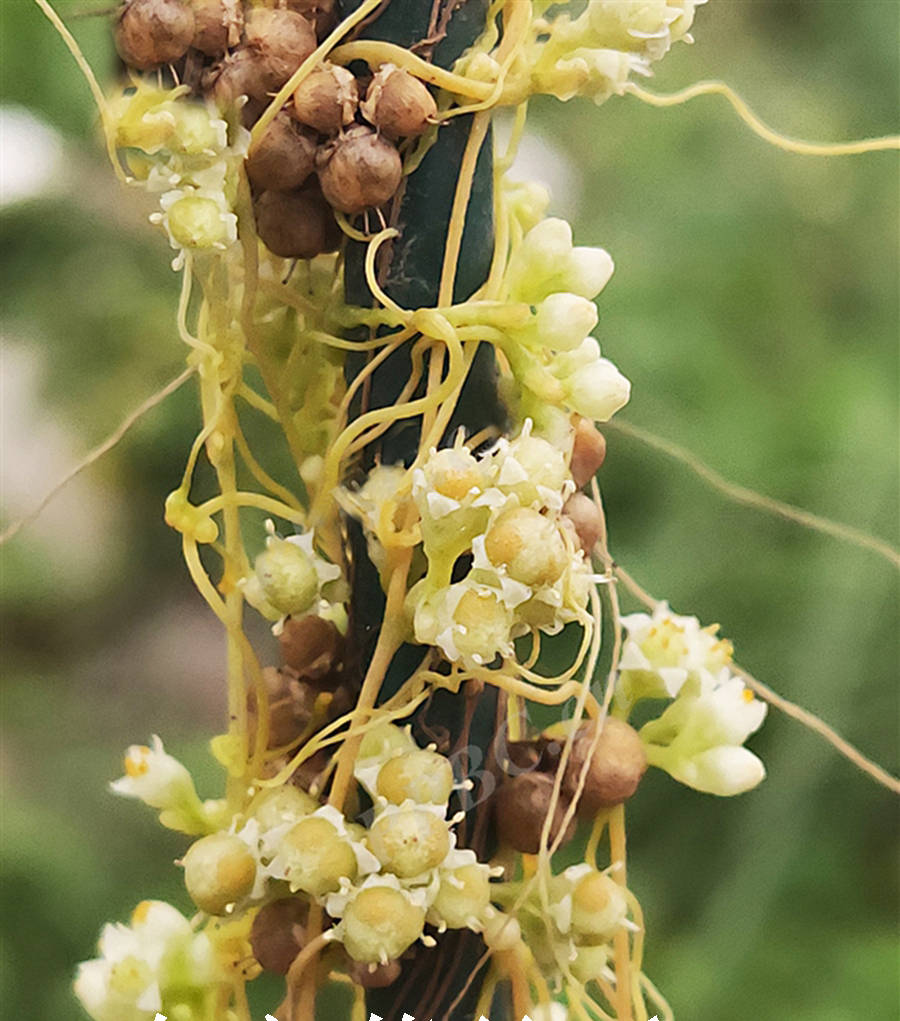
point(754, 307)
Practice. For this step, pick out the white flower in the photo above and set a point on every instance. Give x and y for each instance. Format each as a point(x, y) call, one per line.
point(155, 777)
point(662, 651)
point(142, 963)
point(698, 739)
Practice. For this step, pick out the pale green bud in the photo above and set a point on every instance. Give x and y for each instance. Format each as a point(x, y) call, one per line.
point(563, 320)
point(198, 222)
point(287, 576)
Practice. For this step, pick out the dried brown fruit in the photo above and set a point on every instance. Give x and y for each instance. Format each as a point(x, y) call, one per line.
point(323, 14)
point(584, 517)
point(291, 703)
point(294, 224)
point(284, 157)
point(277, 933)
point(358, 170)
point(281, 39)
point(615, 768)
point(154, 32)
point(588, 452)
point(240, 74)
point(312, 646)
point(397, 103)
point(373, 976)
point(327, 99)
point(217, 25)
point(521, 805)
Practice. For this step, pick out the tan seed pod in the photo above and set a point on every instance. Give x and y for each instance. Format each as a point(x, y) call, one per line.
point(217, 25)
point(397, 103)
point(281, 39)
point(617, 764)
point(588, 452)
point(584, 517)
point(312, 646)
point(154, 32)
point(284, 157)
point(295, 224)
point(240, 74)
point(290, 704)
point(358, 170)
point(327, 99)
point(323, 14)
point(521, 805)
point(277, 933)
point(373, 976)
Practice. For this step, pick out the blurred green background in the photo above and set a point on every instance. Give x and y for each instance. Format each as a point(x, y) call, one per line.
point(754, 307)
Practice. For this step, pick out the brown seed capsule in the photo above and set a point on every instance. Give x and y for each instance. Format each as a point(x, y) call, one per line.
point(358, 170)
point(327, 99)
point(240, 74)
point(373, 976)
point(588, 452)
point(284, 157)
point(217, 25)
point(322, 13)
point(520, 808)
point(295, 224)
point(584, 517)
point(154, 32)
point(276, 936)
point(312, 646)
point(291, 705)
point(616, 766)
point(281, 39)
point(397, 103)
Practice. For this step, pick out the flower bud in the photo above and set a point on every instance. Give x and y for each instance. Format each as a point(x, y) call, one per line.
point(294, 225)
point(217, 25)
point(501, 932)
point(397, 103)
point(563, 321)
point(588, 452)
point(598, 906)
point(359, 170)
point(327, 99)
point(615, 766)
point(463, 897)
point(521, 805)
point(528, 544)
point(282, 40)
point(409, 842)
point(283, 158)
point(422, 776)
point(595, 388)
point(275, 806)
point(584, 517)
point(589, 271)
point(315, 857)
point(218, 870)
point(380, 923)
point(198, 222)
point(276, 936)
point(154, 32)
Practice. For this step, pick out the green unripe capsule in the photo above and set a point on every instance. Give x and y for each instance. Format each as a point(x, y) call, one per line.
point(423, 776)
point(278, 805)
point(316, 857)
point(598, 906)
point(197, 222)
point(464, 896)
point(287, 577)
point(410, 842)
point(218, 870)
point(380, 923)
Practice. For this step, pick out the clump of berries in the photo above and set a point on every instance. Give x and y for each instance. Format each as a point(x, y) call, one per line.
point(335, 144)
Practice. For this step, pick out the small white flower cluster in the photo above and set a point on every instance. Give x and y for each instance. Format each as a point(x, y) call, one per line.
point(592, 55)
point(698, 738)
point(586, 908)
point(157, 964)
point(556, 363)
point(179, 148)
point(502, 510)
point(290, 578)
